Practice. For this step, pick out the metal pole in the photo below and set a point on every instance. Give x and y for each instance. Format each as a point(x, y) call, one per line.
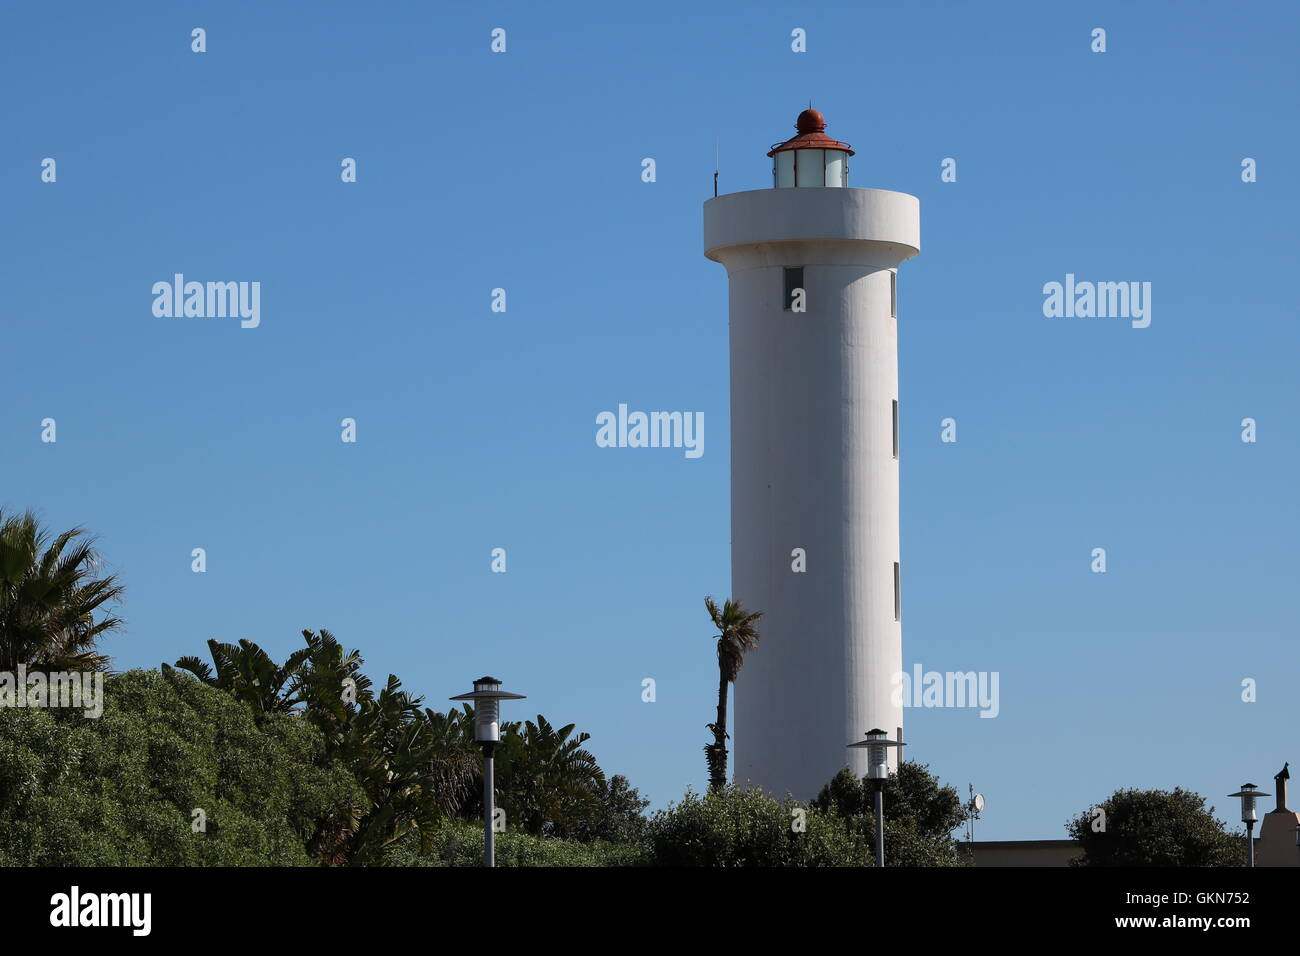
point(1250, 843)
point(489, 794)
point(878, 800)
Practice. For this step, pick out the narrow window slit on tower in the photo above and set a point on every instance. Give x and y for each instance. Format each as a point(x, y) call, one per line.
point(898, 596)
point(895, 428)
point(793, 285)
point(893, 295)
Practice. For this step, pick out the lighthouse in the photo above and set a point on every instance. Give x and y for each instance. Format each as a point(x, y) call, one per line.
point(812, 269)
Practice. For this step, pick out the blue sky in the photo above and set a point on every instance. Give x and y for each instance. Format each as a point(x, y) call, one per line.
point(476, 429)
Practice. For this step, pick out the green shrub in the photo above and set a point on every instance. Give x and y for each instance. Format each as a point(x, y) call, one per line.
point(460, 843)
point(920, 814)
point(1156, 828)
point(746, 827)
point(121, 790)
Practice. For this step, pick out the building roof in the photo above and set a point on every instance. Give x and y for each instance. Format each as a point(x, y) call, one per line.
point(812, 135)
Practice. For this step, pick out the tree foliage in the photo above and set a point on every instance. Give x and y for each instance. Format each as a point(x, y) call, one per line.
point(920, 814)
point(412, 766)
point(460, 843)
point(739, 827)
point(747, 827)
point(52, 598)
point(124, 789)
point(619, 817)
point(416, 767)
point(1155, 828)
point(548, 782)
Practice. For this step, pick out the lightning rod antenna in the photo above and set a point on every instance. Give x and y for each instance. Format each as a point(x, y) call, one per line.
point(717, 163)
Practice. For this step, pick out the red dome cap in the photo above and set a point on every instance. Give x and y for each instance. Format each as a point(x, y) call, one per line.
point(810, 121)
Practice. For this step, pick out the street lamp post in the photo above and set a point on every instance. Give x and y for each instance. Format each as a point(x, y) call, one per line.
point(878, 744)
point(487, 696)
point(1248, 793)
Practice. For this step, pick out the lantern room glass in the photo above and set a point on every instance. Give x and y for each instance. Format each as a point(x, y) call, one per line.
point(810, 167)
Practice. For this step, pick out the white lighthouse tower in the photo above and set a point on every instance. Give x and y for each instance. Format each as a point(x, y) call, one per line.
point(812, 266)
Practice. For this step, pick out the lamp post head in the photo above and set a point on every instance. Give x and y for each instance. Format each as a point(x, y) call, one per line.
point(487, 696)
point(1248, 793)
point(877, 744)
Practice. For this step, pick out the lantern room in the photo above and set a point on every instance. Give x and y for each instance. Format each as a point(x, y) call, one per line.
point(810, 158)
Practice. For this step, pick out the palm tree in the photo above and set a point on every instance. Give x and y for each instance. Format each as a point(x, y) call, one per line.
point(736, 635)
point(411, 775)
point(49, 593)
point(548, 783)
point(330, 684)
point(248, 673)
point(323, 678)
point(412, 767)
